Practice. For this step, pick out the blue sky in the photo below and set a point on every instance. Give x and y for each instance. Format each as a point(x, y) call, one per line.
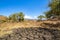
point(31, 8)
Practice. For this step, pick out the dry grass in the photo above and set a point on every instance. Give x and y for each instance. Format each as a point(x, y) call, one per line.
point(5, 28)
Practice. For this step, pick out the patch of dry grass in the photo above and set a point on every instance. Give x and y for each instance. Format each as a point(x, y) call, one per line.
point(6, 28)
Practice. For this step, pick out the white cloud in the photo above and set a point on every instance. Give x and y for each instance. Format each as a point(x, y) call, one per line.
point(30, 17)
point(35, 17)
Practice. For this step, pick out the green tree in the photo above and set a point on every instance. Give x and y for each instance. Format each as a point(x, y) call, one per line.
point(17, 17)
point(40, 17)
point(13, 17)
point(54, 12)
point(21, 16)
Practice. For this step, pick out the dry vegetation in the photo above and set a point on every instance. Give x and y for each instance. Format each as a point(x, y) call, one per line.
point(6, 27)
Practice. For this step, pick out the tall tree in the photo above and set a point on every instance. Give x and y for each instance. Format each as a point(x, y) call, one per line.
point(55, 9)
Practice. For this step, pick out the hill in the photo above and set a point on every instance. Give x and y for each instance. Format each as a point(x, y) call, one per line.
point(3, 18)
point(8, 29)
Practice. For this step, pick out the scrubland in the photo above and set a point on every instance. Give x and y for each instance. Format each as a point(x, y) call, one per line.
point(6, 27)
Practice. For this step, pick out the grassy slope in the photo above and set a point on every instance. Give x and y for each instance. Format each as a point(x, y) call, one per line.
point(5, 28)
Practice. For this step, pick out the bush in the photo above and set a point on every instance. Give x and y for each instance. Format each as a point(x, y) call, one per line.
point(17, 17)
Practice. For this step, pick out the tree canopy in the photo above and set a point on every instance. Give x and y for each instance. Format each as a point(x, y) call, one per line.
point(17, 16)
point(54, 11)
point(40, 17)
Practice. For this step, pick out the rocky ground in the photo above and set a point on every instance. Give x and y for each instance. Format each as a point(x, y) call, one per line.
point(33, 34)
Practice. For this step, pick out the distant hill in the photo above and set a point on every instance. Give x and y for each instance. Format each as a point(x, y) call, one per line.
point(3, 18)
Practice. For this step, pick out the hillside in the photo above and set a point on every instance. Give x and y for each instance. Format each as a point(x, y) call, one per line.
point(33, 33)
point(3, 18)
point(45, 29)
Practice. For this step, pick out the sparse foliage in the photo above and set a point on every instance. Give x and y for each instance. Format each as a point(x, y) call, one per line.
point(40, 17)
